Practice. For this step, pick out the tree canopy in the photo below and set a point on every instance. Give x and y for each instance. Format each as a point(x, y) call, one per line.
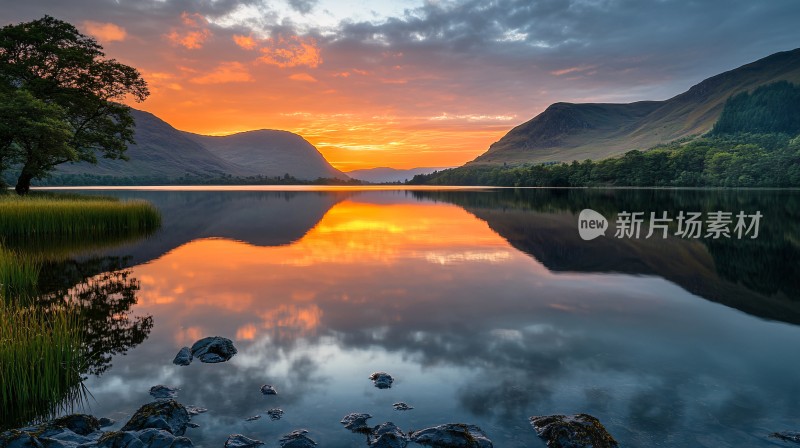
point(60, 97)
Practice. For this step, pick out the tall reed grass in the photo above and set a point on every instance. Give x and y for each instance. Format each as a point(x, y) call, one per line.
point(39, 217)
point(19, 276)
point(41, 359)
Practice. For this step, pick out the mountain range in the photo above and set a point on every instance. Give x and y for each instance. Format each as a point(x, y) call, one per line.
point(163, 152)
point(565, 131)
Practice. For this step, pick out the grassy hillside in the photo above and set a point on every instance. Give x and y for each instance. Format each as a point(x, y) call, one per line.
point(566, 132)
point(270, 153)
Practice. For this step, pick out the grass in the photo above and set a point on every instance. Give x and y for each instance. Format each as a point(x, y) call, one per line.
point(19, 275)
point(41, 358)
point(42, 348)
point(46, 216)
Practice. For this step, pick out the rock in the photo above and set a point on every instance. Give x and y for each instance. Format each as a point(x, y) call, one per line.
point(119, 439)
point(14, 439)
point(195, 410)
point(214, 349)
point(387, 435)
point(253, 418)
point(572, 431)
point(402, 407)
point(297, 439)
point(158, 438)
point(452, 435)
point(168, 415)
point(240, 441)
point(382, 380)
point(192, 425)
point(268, 390)
point(64, 438)
point(161, 391)
point(184, 357)
point(357, 422)
point(105, 422)
point(787, 436)
point(78, 423)
point(275, 414)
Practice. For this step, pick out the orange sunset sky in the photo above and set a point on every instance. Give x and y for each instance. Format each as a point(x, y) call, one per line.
point(411, 83)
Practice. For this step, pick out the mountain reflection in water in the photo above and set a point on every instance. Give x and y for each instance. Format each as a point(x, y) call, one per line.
point(485, 306)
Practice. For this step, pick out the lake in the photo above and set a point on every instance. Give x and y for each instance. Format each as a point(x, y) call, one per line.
point(485, 305)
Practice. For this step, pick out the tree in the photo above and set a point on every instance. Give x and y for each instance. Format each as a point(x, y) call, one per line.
point(60, 67)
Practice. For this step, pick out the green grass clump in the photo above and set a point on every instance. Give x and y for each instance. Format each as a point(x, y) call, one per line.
point(38, 217)
point(19, 275)
point(41, 357)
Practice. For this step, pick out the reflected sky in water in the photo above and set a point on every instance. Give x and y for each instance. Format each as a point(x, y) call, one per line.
point(318, 290)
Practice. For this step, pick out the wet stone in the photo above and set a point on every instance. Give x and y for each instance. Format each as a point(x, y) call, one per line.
point(184, 357)
point(275, 414)
point(253, 418)
point(192, 425)
point(240, 441)
point(105, 422)
point(120, 439)
point(195, 410)
point(382, 380)
point(387, 435)
point(452, 435)
point(572, 431)
point(402, 407)
point(161, 391)
point(213, 349)
point(268, 390)
point(157, 438)
point(357, 422)
point(787, 436)
point(167, 415)
point(297, 439)
point(78, 423)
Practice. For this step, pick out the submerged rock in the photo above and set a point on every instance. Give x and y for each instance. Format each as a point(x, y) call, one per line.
point(382, 380)
point(787, 436)
point(452, 435)
point(158, 438)
point(78, 423)
point(167, 415)
point(195, 410)
point(357, 422)
point(572, 431)
point(268, 390)
point(240, 441)
point(105, 422)
point(184, 357)
point(387, 435)
point(402, 407)
point(162, 391)
point(253, 418)
point(213, 349)
point(297, 439)
point(275, 414)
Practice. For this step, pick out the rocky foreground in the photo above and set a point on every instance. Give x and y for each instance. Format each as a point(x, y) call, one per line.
point(163, 423)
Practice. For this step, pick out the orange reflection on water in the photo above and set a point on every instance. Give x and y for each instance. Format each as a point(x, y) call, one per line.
point(358, 252)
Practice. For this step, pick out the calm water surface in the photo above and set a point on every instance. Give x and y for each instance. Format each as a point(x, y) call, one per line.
point(485, 305)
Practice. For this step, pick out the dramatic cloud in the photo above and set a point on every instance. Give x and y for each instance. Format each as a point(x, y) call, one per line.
point(393, 67)
point(105, 32)
point(291, 51)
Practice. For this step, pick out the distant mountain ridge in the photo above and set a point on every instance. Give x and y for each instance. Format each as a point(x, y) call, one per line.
point(387, 175)
point(161, 151)
point(565, 131)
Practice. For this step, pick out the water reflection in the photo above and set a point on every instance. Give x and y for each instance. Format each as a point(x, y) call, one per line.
point(485, 306)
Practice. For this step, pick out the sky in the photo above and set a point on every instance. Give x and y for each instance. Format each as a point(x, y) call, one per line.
point(410, 83)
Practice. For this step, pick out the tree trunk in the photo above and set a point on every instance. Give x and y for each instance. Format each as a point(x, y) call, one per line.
point(24, 183)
